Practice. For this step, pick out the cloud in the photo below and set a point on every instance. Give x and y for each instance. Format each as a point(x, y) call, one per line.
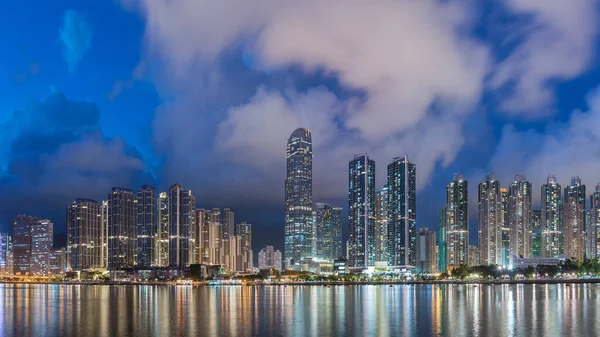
point(565, 150)
point(54, 151)
point(76, 38)
point(555, 40)
point(410, 62)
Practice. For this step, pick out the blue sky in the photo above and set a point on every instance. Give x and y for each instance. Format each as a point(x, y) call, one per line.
point(95, 94)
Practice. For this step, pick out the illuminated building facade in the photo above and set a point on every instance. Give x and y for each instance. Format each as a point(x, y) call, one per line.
point(519, 212)
point(84, 235)
point(328, 232)
point(122, 228)
point(491, 221)
point(402, 212)
point(298, 197)
point(361, 206)
point(551, 219)
point(456, 227)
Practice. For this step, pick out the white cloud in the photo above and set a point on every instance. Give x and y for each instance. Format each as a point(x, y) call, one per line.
point(558, 43)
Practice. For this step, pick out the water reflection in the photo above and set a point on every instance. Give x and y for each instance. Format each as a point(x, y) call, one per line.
point(422, 310)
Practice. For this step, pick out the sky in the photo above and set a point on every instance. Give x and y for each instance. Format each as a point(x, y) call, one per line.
point(96, 94)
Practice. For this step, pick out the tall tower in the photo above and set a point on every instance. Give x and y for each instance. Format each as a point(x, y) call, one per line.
point(457, 222)
point(122, 231)
point(594, 224)
point(519, 213)
point(84, 234)
point(361, 211)
point(574, 219)
point(244, 233)
point(381, 225)
point(162, 231)
point(329, 232)
point(228, 223)
point(298, 197)
point(146, 224)
point(551, 216)
point(490, 221)
point(182, 219)
point(402, 212)
point(505, 227)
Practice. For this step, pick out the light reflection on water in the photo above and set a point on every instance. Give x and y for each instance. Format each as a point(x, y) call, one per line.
point(421, 310)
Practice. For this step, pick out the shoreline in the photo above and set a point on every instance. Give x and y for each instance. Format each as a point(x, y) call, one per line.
point(322, 283)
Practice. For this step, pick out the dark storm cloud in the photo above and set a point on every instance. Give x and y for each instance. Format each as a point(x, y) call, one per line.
point(54, 151)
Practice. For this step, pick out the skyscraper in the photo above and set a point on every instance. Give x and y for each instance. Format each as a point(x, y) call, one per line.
point(228, 223)
point(162, 231)
point(244, 232)
point(42, 239)
point(361, 217)
point(592, 231)
point(519, 212)
point(426, 252)
point(551, 215)
point(122, 231)
point(84, 235)
point(490, 221)
point(22, 244)
point(457, 222)
point(104, 236)
point(574, 219)
point(442, 238)
point(505, 227)
point(298, 197)
point(536, 233)
point(5, 248)
point(402, 212)
point(182, 219)
point(146, 224)
point(328, 232)
point(381, 224)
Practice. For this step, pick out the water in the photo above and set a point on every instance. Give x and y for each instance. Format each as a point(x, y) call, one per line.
point(428, 310)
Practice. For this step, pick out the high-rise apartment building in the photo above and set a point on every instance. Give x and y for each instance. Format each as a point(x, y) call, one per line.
point(536, 234)
point(298, 197)
point(182, 220)
point(574, 219)
point(228, 223)
point(426, 252)
point(381, 224)
point(551, 216)
point(244, 233)
point(442, 266)
point(122, 228)
point(22, 244)
point(402, 212)
point(146, 227)
point(42, 239)
point(269, 258)
point(361, 217)
point(328, 235)
point(593, 226)
point(5, 248)
point(474, 256)
point(84, 235)
point(162, 231)
point(491, 221)
point(456, 225)
point(505, 227)
point(104, 236)
point(519, 217)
